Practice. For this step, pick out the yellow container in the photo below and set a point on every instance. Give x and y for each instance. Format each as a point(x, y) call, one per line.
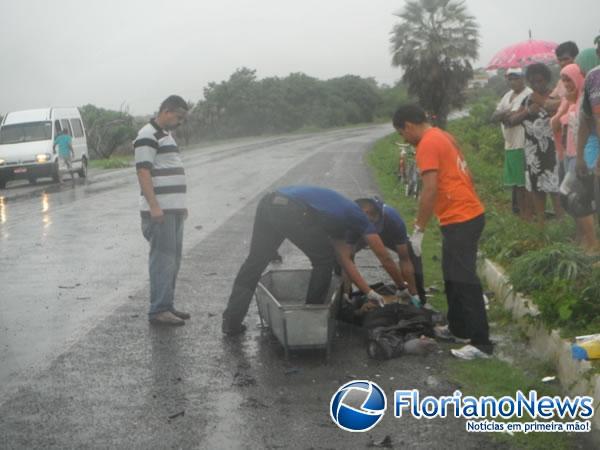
point(586, 350)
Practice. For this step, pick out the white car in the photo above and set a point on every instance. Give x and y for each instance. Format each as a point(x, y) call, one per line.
point(27, 144)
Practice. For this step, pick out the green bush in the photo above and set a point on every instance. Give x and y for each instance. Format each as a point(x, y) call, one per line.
point(505, 237)
point(558, 262)
point(572, 305)
point(106, 130)
point(477, 134)
point(117, 162)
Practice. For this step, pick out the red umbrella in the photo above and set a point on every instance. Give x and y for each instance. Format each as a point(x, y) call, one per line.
point(523, 54)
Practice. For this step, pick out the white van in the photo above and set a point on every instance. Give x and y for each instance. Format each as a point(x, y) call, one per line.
point(27, 148)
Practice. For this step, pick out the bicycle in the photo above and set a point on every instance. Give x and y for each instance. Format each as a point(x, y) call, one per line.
point(408, 173)
point(401, 173)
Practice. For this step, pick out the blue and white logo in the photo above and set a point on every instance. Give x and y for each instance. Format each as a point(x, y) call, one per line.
point(358, 406)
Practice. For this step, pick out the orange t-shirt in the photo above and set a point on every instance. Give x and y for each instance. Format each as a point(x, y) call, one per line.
point(456, 200)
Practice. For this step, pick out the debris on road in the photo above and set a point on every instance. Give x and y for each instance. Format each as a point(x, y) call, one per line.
point(243, 380)
point(432, 381)
point(198, 227)
point(548, 379)
point(69, 287)
point(386, 442)
point(254, 403)
point(176, 415)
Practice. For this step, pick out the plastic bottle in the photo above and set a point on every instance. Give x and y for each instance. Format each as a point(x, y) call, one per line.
point(586, 350)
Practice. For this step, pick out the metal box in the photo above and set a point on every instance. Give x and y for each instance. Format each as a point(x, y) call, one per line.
point(281, 297)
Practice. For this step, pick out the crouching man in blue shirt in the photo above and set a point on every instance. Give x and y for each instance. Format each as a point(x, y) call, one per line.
point(392, 230)
point(322, 223)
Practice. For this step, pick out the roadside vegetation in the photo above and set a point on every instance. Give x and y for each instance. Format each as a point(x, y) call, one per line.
point(245, 105)
point(114, 162)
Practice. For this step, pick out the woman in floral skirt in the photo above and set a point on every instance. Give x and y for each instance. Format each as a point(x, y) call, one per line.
point(541, 174)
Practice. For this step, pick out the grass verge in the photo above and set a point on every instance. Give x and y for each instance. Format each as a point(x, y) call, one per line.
point(114, 162)
point(497, 378)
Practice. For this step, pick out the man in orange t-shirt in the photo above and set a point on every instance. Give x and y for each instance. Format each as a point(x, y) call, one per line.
point(448, 192)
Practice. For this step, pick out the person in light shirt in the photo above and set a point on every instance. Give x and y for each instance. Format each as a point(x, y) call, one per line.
point(514, 138)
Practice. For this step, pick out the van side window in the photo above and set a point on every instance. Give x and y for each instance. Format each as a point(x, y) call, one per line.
point(57, 127)
point(66, 126)
point(77, 128)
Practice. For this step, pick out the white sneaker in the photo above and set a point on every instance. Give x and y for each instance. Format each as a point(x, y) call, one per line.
point(469, 352)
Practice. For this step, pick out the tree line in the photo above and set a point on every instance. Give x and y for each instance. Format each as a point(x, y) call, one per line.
point(244, 105)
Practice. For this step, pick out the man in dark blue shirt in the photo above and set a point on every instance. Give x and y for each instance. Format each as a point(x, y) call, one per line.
point(392, 230)
point(322, 223)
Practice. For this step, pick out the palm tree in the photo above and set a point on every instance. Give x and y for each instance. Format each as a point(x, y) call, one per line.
point(435, 44)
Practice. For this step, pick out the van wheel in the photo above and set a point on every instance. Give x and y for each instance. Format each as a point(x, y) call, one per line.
point(32, 180)
point(55, 173)
point(83, 171)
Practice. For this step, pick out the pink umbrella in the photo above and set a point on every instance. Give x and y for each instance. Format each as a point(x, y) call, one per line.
point(523, 54)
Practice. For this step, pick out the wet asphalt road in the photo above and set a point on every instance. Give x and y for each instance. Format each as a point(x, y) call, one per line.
point(81, 368)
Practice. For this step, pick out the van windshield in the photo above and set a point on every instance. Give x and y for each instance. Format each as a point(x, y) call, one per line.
point(26, 132)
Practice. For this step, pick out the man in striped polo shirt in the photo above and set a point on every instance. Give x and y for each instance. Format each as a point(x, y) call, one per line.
point(162, 205)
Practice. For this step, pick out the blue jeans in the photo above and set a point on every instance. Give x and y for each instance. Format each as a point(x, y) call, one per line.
point(166, 241)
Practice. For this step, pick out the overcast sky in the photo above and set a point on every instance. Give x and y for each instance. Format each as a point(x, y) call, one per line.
point(136, 52)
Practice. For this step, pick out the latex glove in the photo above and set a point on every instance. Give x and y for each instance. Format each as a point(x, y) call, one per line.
point(415, 300)
point(374, 297)
point(416, 240)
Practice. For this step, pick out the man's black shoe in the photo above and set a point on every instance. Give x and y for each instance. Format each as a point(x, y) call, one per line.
point(233, 331)
point(181, 314)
